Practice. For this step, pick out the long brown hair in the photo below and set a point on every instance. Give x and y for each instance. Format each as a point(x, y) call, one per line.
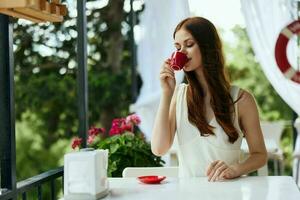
point(208, 40)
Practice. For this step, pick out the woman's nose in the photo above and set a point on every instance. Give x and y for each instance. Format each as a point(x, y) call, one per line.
point(183, 50)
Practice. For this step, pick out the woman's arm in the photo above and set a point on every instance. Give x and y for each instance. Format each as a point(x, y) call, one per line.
point(164, 124)
point(250, 125)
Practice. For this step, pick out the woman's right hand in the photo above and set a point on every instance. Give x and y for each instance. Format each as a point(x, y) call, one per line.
point(167, 78)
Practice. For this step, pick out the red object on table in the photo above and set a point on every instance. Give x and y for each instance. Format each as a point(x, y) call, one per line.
point(151, 179)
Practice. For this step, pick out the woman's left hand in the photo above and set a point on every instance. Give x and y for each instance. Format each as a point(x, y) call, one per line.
point(219, 170)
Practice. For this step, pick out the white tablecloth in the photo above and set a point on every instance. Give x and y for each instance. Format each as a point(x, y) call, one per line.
point(244, 188)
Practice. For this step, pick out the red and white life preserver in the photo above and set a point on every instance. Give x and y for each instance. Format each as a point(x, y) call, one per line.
point(280, 51)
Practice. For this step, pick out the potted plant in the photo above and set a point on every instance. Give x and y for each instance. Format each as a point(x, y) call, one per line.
point(126, 144)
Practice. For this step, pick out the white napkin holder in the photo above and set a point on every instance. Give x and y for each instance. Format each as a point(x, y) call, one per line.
point(85, 175)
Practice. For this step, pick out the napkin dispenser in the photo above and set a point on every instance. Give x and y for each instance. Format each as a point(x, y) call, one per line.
point(85, 175)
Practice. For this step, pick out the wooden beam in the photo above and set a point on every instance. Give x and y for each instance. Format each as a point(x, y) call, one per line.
point(15, 14)
point(14, 3)
point(36, 4)
point(62, 9)
point(39, 15)
point(56, 1)
point(54, 9)
point(34, 10)
point(42, 4)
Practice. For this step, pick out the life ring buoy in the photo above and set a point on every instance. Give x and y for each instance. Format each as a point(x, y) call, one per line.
point(280, 51)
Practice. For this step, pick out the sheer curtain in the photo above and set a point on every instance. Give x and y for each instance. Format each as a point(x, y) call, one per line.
point(264, 21)
point(154, 45)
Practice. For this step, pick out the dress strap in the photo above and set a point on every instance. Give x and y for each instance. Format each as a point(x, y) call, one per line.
point(180, 98)
point(234, 92)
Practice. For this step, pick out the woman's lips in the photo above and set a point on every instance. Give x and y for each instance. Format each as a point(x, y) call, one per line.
point(188, 61)
point(185, 66)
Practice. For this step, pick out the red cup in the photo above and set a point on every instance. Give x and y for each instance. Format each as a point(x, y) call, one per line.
point(178, 60)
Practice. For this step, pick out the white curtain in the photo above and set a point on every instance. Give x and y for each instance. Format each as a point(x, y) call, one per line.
point(264, 21)
point(154, 45)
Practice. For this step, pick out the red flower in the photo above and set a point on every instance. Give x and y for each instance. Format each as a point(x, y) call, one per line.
point(118, 126)
point(134, 119)
point(126, 127)
point(121, 125)
point(93, 131)
point(76, 142)
point(102, 130)
point(114, 131)
point(90, 139)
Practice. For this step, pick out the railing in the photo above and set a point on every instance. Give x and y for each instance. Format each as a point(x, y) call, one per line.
point(35, 182)
point(23, 189)
point(7, 113)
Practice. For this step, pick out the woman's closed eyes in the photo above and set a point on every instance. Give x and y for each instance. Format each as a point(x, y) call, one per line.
point(187, 45)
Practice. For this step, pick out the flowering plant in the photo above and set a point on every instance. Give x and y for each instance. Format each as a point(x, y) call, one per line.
point(126, 144)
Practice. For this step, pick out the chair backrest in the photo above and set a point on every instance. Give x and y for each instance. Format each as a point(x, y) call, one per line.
point(297, 145)
point(297, 125)
point(148, 171)
point(272, 130)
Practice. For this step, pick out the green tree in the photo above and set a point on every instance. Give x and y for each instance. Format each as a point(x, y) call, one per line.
point(45, 80)
point(246, 72)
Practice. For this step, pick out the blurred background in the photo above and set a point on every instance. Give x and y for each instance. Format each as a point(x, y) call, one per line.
point(45, 76)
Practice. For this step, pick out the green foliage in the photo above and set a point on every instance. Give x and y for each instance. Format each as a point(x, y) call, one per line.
point(45, 60)
point(128, 150)
point(33, 159)
point(287, 147)
point(246, 72)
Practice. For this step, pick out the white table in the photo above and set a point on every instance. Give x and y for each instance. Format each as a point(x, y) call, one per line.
point(245, 188)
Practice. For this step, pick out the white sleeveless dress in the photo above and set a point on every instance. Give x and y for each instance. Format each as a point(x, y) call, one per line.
point(196, 152)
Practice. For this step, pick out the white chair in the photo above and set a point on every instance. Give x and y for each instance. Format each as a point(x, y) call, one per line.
point(296, 157)
point(148, 171)
point(296, 154)
point(273, 131)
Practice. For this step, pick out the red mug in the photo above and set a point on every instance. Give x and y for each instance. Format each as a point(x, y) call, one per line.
point(178, 60)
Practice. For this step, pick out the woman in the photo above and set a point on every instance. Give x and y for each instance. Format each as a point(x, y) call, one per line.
point(210, 117)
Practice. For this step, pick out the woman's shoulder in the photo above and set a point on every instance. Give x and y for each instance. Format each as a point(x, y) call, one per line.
point(246, 101)
point(246, 97)
point(240, 92)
